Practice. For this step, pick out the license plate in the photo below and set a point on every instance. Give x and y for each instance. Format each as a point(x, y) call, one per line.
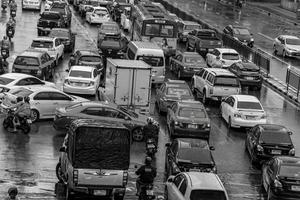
point(4, 52)
point(149, 192)
point(99, 192)
point(276, 152)
point(29, 121)
point(295, 187)
point(249, 78)
point(10, 32)
point(151, 146)
point(250, 117)
point(192, 126)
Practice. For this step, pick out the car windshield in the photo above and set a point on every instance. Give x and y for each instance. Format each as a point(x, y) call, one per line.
point(191, 27)
point(189, 143)
point(90, 59)
point(21, 92)
point(194, 59)
point(41, 44)
point(128, 112)
point(176, 91)
point(230, 56)
point(241, 31)
point(153, 61)
point(50, 16)
point(58, 9)
point(275, 137)
point(207, 195)
point(226, 81)
point(249, 105)
point(191, 113)
point(80, 74)
point(111, 42)
point(23, 60)
point(100, 12)
point(293, 41)
point(292, 171)
point(5, 81)
point(59, 33)
point(111, 28)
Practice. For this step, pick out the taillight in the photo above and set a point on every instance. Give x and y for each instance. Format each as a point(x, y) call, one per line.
point(125, 178)
point(75, 176)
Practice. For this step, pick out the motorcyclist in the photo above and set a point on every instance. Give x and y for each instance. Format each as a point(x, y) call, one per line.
point(10, 24)
point(23, 110)
point(4, 2)
point(150, 130)
point(13, 6)
point(146, 174)
point(5, 43)
point(12, 194)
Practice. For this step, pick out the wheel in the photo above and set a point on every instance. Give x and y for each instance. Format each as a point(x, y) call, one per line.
point(26, 128)
point(229, 123)
point(137, 134)
point(35, 115)
point(274, 50)
point(59, 173)
point(179, 74)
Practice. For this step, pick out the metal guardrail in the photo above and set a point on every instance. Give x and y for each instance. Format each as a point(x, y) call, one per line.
point(293, 81)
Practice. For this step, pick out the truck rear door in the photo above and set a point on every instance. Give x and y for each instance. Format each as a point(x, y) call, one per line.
point(123, 87)
point(142, 86)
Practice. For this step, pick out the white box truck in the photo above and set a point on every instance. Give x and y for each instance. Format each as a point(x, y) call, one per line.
point(128, 84)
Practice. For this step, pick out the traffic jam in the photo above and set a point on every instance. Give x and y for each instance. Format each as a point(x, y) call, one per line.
point(121, 99)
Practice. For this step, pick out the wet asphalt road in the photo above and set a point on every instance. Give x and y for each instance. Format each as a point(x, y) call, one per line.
point(29, 161)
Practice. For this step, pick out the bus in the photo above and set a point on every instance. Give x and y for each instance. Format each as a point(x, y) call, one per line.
point(151, 22)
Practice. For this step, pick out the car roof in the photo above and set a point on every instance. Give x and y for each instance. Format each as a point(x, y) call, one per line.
point(289, 36)
point(226, 50)
point(88, 52)
point(288, 160)
point(32, 53)
point(187, 53)
point(97, 123)
point(83, 68)
point(238, 26)
point(38, 89)
point(244, 97)
point(220, 72)
point(61, 29)
point(110, 23)
point(145, 45)
point(121, 63)
point(15, 75)
point(205, 181)
point(99, 103)
point(52, 12)
point(43, 39)
point(99, 8)
point(189, 140)
point(185, 22)
point(190, 103)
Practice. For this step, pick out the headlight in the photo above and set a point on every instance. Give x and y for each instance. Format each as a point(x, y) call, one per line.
point(251, 39)
point(289, 49)
point(207, 125)
point(237, 115)
point(292, 152)
point(91, 83)
point(259, 148)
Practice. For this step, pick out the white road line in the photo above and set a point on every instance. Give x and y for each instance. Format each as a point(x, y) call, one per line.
point(265, 36)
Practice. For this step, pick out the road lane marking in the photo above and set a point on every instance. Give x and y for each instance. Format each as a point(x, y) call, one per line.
point(265, 36)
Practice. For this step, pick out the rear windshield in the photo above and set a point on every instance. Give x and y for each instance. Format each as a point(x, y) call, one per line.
point(59, 33)
point(50, 16)
point(275, 137)
point(90, 59)
point(230, 56)
point(109, 28)
point(292, 171)
point(191, 27)
point(191, 113)
point(5, 81)
point(80, 74)
point(178, 91)
point(226, 81)
point(189, 143)
point(22, 60)
point(112, 42)
point(207, 195)
point(153, 61)
point(241, 31)
point(101, 12)
point(41, 44)
point(249, 105)
point(21, 92)
point(60, 10)
point(194, 59)
point(206, 34)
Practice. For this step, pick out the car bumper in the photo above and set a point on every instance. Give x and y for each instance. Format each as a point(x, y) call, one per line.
point(157, 79)
point(99, 21)
point(239, 122)
point(90, 90)
point(246, 82)
point(193, 133)
point(45, 30)
point(31, 6)
point(284, 195)
point(293, 54)
point(88, 192)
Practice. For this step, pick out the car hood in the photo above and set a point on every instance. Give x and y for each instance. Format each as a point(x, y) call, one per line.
point(89, 63)
point(195, 65)
point(294, 47)
point(243, 37)
point(78, 99)
point(192, 120)
point(195, 156)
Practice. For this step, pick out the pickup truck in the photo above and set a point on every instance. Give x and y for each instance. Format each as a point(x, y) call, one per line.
point(202, 41)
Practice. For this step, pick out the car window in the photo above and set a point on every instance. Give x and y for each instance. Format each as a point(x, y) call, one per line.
point(92, 111)
point(182, 187)
point(24, 81)
point(42, 96)
point(174, 107)
point(204, 75)
point(43, 59)
point(56, 96)
point(210, 78)
point(200, 73)
point(109, 112)
point(35, 81)
point(95, 73)
point(177, 180)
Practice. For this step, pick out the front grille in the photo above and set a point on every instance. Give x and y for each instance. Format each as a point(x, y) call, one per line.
point(273, 150)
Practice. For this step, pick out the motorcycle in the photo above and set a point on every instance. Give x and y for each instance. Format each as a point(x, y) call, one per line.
point(147, 192)
point(24, 122)
point(151, 147)
point(3, 5)
point(4, 53)
point(10, 32)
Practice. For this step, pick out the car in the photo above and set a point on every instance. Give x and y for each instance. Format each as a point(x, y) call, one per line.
point(108, 28)
point(185, 27)
point(214, 84)
point(240, 33)
point(188, 119)
point(287, 46)
point(48, 3)
point(86, 6)
point(101, 110)
point(86, 57)
point(64, 9)
point(171, 91)
point(31, 4)
point(248, 73)
point(113, 46)
point(242, 111)
point(34, 62)
point(265, 141)
point(186, 64)
point(120, 8)
point(98, 15)
point(222, 57)
point(9, 80)
point(281, 178)
point(66, 37)
point(189, 154)
point(51, 45)
point(49, 20)
point(192, 185)
point(82, 80)
point(43, 100)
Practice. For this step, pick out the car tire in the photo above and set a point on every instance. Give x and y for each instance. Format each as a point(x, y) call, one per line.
point(229, 123)
point(59, 173)
point(275, 50)
point(137, 134)
point(35, 115)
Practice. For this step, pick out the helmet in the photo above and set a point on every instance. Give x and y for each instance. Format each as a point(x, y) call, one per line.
point(13, 190)
point(148, 160)
point(4, 37)
point(150, 120)
point(19, 99)
point(27, 99)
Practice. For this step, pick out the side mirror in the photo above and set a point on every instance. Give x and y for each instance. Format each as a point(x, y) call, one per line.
point(67, 70)
point(168, 144)
point(222, 100)
point(212, 148)
point(63, 149)
point(170, 179)
point(290, 133)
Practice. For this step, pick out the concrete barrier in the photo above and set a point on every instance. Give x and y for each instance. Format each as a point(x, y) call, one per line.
point(290, 5)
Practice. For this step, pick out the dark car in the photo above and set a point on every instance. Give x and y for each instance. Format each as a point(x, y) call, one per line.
point(118, 9)
point(108, 28)
point(113, 46)
point(189, 154)
point(188, 119)
point(64, 9)
point(66, 36)
point(281, 178)
point(268, 140)
point(86, 57)
point(248, 73)
point(49, 20)
point(240, 33)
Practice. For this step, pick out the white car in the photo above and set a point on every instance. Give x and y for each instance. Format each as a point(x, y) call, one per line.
point(82, 80)
point(32, 4)
point(242, 111)
point(43, 100)
point(9, 80)
point(51, 45)
point(98, 15)
point(222, 57)
point(287, 46)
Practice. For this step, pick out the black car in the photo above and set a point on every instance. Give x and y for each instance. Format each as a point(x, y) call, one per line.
point(66, 36)
point(113, 46)
point(189, 154)
point(248, 74)
point(49, 20)
point(240, 33)
point(281, 178)
point(268, 140)
point(64, 9)
point(86, 57)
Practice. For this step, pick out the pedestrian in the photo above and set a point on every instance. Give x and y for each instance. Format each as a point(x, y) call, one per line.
point(12, 194)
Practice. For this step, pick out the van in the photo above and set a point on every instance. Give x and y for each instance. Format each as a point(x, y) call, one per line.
point(150, 53)
point(95, 158)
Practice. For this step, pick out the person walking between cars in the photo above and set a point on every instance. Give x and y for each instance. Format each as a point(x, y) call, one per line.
point(12, 194)
point(151, 130)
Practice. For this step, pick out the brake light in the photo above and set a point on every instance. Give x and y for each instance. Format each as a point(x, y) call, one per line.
point(75, 176)
point(125, 178)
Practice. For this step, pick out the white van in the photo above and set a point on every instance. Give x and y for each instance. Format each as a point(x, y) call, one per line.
point(150, 53)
